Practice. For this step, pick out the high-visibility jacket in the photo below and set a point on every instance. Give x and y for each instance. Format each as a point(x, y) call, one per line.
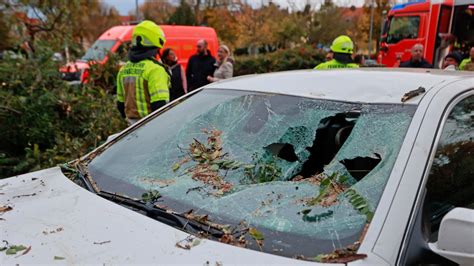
point(140, 84)
point(335, 64)
point(467, 64)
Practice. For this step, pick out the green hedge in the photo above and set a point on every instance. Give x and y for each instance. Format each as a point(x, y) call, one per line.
point(281, 60)
point(43, 121)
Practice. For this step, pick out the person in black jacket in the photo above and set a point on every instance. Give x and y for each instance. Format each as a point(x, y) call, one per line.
point(416, 60)
point(200, 66)
point(179, 85)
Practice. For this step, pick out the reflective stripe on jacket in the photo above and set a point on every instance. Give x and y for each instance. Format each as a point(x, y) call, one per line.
point(335, 64)
point(140, 84)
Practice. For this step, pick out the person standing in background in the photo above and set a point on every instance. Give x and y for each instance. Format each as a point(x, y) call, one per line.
point(342, 48)
point(179, 86)
point(468, 63)
point(225, 65)
point(143, 82)
point(451, 61)
point(200, 66)
point(416, 60)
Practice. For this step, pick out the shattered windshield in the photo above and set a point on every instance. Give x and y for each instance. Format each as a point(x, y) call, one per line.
point(305, 175)
point(99, 50)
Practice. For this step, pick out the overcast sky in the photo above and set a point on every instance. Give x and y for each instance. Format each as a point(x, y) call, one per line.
point(124, 6)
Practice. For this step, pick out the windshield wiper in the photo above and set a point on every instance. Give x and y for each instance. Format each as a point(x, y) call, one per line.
point(163, 215)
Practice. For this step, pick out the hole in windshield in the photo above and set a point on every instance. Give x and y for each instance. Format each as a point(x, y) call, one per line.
point(359, 167)
point(331, 134)
point(284, 151)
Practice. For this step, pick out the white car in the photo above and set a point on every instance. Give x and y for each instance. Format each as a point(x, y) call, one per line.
point(351, 167)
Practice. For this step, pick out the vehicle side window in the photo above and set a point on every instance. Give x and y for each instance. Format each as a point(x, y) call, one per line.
point(403, 28)
point(451, 179)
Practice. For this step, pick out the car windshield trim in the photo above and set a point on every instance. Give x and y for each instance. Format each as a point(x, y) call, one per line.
point(278, 106)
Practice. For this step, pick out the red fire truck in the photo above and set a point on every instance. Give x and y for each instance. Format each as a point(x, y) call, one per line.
point(440, 25)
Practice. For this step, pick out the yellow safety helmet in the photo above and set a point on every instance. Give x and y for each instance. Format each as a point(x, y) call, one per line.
point(342, 44)
point(151, 34)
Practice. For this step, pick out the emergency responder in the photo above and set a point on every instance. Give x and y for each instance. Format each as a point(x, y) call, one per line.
point(342, 47)
point(468, 63)
point(143, 82)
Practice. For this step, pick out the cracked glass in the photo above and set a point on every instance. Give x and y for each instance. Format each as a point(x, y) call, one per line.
point(268, 146)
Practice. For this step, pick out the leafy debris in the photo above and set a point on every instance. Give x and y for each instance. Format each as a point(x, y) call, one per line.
point(57, 230)
point(177, 165)
point(329, 189)
point(204, 219)
point(343, 255)
point(188, 242)
point(151, 196)
point(13, 249)
point(258, 236)
point(239, 241)
point(210, 159)
point(24, 252)
point(359, 203)
point(5, 209)
point(24, 195)
point(261, 171)
point(255, 234)
point(69, 171)
point(102, 242)
point(59, 258)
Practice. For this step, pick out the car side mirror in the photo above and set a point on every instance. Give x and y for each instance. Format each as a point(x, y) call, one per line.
point(456, 237)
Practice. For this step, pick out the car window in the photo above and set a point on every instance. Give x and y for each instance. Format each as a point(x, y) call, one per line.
point(99, 50)
point(450, 182)
point(306, 173)
point(403, 28)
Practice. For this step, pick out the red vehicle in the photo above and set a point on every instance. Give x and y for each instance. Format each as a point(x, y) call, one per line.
point(117, 40)
point(441, 26)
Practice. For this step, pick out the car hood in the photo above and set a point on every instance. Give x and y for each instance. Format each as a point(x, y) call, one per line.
point(64, 223)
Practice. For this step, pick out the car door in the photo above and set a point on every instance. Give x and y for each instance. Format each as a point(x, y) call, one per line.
point(449, 181)
point(403, 219)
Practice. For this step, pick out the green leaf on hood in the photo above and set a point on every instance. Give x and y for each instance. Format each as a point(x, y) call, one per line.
point(255, 234)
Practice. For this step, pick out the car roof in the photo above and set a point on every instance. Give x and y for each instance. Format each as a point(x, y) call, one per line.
point(124, 32)
point(368, 85)
point(117, 32)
